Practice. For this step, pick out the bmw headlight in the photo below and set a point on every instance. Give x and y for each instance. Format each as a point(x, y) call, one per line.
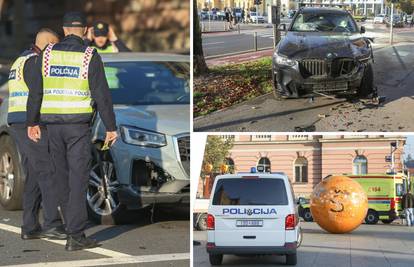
point(282, 60)
point(140, 137)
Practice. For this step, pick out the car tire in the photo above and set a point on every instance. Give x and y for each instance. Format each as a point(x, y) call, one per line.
point(307, 215)
point(372, 217)
point(202, 222)
point(275, 84)
point(387, 221)
point(291, 259)
point(11, 175)
point(103, 205)
point(215, 259)
point(367, 83)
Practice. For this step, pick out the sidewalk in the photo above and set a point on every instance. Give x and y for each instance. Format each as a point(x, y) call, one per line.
point(239, 58)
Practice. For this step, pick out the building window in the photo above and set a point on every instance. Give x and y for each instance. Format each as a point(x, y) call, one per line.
point(301, 170)
point(263, 165)
point(360, 165)
point(230, 163)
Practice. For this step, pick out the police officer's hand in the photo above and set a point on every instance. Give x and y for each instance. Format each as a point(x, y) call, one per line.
point(111, 35)
point(34, 133)
point(110, 138)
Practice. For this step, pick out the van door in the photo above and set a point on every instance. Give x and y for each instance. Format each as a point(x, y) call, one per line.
point(250, 212)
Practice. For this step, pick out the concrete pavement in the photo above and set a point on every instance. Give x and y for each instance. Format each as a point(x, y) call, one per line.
point(368, 246)
point(162, 243)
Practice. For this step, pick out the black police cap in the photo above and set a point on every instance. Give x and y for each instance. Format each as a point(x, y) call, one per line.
point(100, 28)
point(74, 19)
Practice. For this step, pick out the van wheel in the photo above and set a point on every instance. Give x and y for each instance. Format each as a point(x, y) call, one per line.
point(387, 221)
point(291, 259)
point(11, 175)
point(215, 259)
point(367, 83)
point(372, 217)
point(307, 215)
point(202, 222)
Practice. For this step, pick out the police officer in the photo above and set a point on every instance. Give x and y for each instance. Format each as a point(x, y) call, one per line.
point(35, 156)
point(103, 38)
point(72, 76)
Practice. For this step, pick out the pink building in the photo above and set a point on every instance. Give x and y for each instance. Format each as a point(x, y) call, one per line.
point(306, 159)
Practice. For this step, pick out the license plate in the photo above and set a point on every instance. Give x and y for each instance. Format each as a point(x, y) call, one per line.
point(249, 223)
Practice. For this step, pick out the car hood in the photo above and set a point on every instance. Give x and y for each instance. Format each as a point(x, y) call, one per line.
point(167, 119)
point(298, 45)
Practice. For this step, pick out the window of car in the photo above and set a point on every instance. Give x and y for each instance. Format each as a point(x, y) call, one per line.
point(243, 191)
point(324, 22)
point(148, 83)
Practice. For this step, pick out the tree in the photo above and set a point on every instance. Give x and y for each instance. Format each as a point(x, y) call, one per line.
point(216, 151)
point(200, 65)
point(406, 6)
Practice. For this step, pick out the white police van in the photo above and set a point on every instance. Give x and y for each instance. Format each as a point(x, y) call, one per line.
point(252, 214)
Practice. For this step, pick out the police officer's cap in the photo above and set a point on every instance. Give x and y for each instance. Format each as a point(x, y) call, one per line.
point(74, 19)
point(100, 28)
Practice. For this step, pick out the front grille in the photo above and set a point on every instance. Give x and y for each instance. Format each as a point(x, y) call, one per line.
point(313, 67)
point(334, 68)
point(183, 144)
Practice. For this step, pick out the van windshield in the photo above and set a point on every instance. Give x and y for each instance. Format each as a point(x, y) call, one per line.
point(250, 192)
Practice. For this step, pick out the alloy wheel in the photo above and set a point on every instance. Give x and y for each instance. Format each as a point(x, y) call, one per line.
point(6, 176)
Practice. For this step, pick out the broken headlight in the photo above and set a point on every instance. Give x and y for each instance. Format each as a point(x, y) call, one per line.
point(282, 60)
point(140, 137)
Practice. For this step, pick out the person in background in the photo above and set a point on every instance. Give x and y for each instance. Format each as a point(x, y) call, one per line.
point(103, 38)
point(38, 187)
point(408, 207)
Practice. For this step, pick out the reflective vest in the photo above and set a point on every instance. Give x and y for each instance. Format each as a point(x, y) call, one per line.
point(65, 82)
point(108, 49)
point(18, 90)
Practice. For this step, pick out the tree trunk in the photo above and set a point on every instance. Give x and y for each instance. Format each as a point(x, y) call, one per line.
point(200, 65)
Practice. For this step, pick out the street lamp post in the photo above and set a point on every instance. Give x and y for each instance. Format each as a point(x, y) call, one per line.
point(392, 23)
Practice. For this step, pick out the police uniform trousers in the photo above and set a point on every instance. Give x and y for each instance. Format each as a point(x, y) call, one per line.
point(70, 149)
point(39, 187)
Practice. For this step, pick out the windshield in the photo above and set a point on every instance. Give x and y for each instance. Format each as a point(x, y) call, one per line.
point(250, 192)
point(311, 22)
point(148, 83)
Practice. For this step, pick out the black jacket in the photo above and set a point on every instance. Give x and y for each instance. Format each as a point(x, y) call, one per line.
point(407, 201)
point(97, 84)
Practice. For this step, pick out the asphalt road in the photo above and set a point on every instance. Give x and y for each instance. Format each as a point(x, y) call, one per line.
point(215, 44)
point(393, 76)
point(369, 245)
point(166, 242)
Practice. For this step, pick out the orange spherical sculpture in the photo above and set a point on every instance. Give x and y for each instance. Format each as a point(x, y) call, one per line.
point(338, 204)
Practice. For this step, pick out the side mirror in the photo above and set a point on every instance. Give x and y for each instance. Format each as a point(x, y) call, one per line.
point(282, 27)
point(362, 29)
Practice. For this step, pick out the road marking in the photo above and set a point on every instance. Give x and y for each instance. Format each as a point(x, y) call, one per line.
point(111, 261)
point(100, 251)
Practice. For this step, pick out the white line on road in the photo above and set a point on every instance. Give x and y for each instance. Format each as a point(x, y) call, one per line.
point(100, 251)
point(112, 261)
point(213, 43)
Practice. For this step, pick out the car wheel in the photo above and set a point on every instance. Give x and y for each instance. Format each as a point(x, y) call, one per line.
point(367, 83)
point(11, 175)
point(215, 259)
point(291, 259)
point(307, 215)
point(102, 197)
point(387, 221)
point(372, 217)
point(202, 222)
point(276, 93)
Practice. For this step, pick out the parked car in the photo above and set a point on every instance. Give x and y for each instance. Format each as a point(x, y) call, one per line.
point(397, 22)
point(151, 161)
point(360, 18)
point(254, 18)
point(323, 51)
point(409, 18)
point(379, 18)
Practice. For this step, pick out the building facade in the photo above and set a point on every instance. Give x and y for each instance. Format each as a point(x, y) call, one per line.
point(307, 159)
